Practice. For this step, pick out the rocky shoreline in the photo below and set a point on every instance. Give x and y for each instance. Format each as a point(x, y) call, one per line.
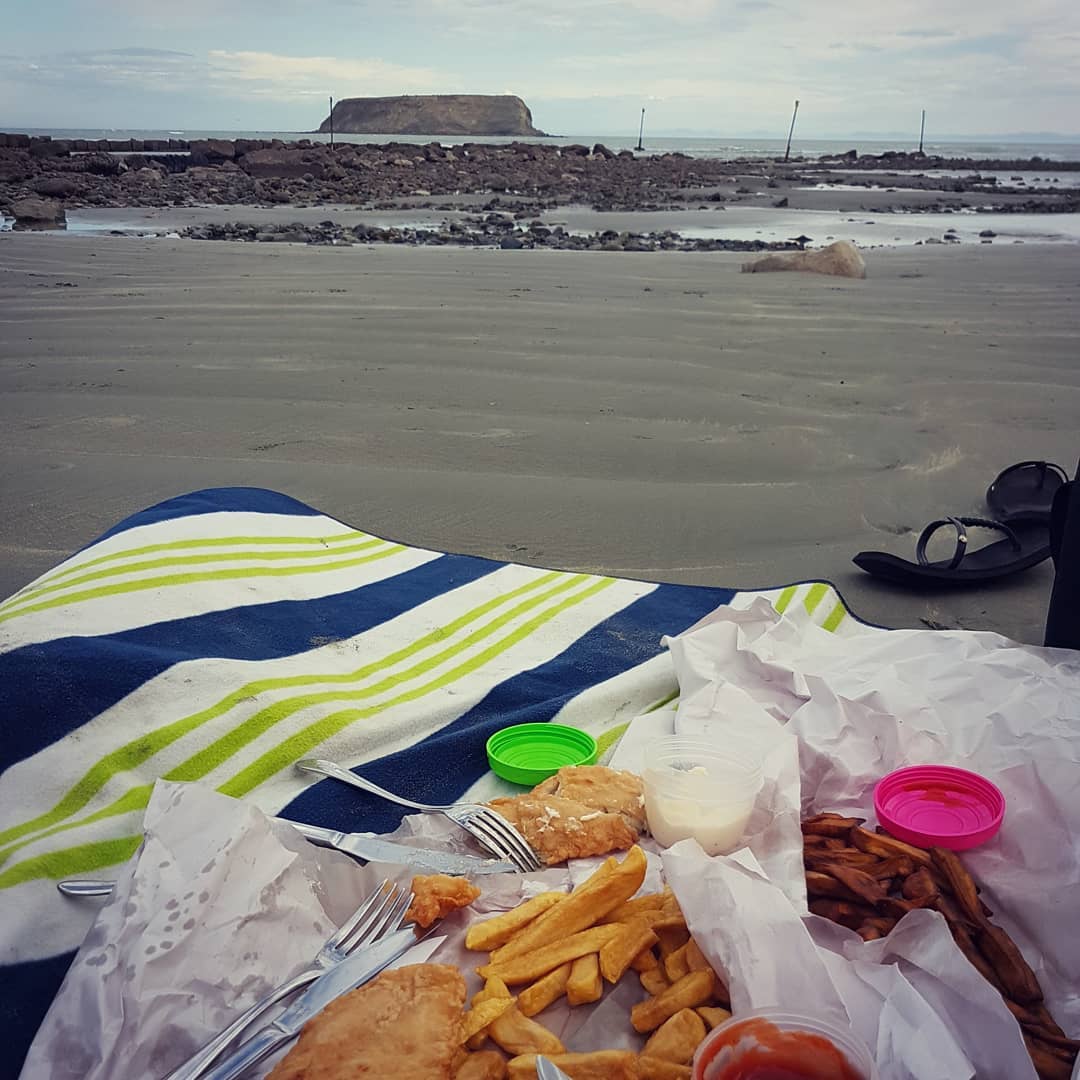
point(41, 178)
point(491, 230)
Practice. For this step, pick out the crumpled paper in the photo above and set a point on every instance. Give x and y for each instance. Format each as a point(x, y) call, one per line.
point(860, 707)
point(220, 905)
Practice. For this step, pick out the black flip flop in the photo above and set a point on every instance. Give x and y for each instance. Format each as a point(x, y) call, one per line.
point(1025, 490)
point(1026, 543)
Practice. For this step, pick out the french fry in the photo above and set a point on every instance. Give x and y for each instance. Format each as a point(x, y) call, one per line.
point(1047, 1064)
point(822, 885)
point(713, 1015)
point(919, 884)
point(949, 866)
point(1009, 965)
point(671, 938)
point(594, 898)
point(517, 1034)
point(675, 963)
point(696, 960)
point(531, 966)
point(492, 989)
point(491, 933)
point(691, 990)
point(866, 887)
point(846, 856)
point(898, 866)
point(585, 984)
point(598, 1065)
point(830, 825)
point(487, 1065)
point(655, 981)
point(634, 939)
point(884, 847)
point(481, 1016)
point(654, 1068)
point(633, 909)
point(676, 1038)
point(840, 911)
point(644, 961)
point(545, 991)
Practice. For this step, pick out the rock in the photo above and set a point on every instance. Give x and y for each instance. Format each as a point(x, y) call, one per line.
point(840, 260)
point(101, 164)
point(38, 212)
point(781, 203)
point(289, 164)
point(58, 186)
point(214, 150)
point(49, 148)
point(432, 114)
point(988, 234)
point(511, 243)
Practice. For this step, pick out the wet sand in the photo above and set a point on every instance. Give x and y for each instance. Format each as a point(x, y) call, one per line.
point(656, 416)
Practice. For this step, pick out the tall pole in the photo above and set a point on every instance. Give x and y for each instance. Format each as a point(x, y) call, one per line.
point(331, 119)
point(791, 130)
point(641, 131)
point(922, 130)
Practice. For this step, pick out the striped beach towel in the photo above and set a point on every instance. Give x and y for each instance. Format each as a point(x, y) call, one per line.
point(222, 635)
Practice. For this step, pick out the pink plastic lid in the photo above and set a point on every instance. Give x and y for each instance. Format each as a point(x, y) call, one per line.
point(939, 806)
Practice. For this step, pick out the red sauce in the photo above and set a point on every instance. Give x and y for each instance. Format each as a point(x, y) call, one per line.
point(759, 1050)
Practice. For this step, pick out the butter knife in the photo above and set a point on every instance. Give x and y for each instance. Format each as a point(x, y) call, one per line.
point(364, 846)
point(372, 848)
point(350, 973)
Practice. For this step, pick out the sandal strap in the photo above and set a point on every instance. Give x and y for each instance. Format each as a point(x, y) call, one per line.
point(1042, 466)
point(960, 525)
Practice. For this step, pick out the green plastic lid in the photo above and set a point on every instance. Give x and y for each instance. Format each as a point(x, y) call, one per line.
point(528, 753)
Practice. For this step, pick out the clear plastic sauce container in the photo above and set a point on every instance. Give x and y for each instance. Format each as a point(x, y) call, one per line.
point(702, 789)
point(774, 1045)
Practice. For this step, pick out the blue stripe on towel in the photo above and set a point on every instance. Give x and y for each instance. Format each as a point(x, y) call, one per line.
point(444, 765)
point(51, 688)
point(212, 501)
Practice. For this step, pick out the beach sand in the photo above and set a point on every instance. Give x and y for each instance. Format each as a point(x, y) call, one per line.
point(655, 416)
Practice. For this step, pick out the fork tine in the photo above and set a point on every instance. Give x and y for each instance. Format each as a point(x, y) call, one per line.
point(512, 838)
point(495, 849)
point(499, 842)
point(368, 929)
point(349, 925)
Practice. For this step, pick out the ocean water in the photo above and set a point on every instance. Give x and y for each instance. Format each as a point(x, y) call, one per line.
point(696, 146)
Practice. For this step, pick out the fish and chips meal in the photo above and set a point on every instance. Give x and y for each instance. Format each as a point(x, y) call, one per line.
point(567, 948)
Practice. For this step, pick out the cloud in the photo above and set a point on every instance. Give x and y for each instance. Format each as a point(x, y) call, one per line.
point(237, 75)
point(275, 75)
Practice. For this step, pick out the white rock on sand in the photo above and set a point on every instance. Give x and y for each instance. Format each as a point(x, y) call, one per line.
point(841, 259)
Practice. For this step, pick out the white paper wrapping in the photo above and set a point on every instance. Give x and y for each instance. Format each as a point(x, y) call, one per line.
point(220, 905)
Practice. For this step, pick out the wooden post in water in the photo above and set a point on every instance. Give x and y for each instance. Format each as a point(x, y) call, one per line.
point(791, 131)
point(641, 132)
point(922, 130)
point(331, 119)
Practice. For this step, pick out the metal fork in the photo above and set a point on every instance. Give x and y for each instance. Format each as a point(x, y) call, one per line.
point(492, 831)
point(380, 914)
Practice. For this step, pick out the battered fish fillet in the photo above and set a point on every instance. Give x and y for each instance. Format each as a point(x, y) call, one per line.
point(436, 895)
point(601, 788)
point(404, 1024)
point(580, 811)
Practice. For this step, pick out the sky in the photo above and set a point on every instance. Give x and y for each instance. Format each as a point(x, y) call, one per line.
point(707, 67)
